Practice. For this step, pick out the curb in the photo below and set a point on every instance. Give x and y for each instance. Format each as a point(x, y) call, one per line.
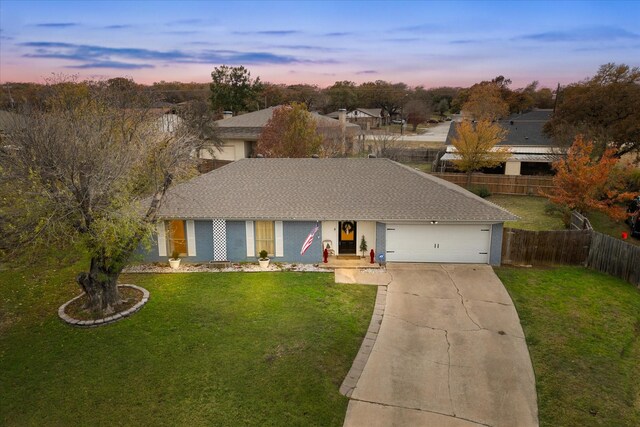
point(350, 381)
point(105, 320)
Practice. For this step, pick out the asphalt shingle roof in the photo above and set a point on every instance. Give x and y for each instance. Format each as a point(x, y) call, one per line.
point(523, 129)
point(326, 189)
point(250, 125)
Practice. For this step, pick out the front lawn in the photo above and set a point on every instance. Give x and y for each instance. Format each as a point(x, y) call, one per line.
point(531, 210)
point(583, 332)
point(222, 349)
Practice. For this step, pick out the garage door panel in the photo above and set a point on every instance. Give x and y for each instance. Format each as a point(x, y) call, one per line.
point(438, 243)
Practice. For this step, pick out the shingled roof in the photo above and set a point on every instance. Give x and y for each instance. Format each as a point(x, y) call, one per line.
point(250, 125)
point(326, 189)
point(524, 129)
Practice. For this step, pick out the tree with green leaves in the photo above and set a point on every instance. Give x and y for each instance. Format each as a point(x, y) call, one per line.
point(604, 109)
point(89, 169)
point(290, 132)
point(475, 145)
point(234, 90)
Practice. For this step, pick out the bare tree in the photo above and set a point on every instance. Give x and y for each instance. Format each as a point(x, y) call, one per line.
point(92, 167)
point(385, 145)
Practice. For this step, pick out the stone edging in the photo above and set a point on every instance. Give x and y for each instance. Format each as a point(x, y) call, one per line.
point(350, 381)
point(106, 320)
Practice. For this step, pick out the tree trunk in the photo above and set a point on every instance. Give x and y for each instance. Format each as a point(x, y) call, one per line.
point(101, 286)
point(469, 179)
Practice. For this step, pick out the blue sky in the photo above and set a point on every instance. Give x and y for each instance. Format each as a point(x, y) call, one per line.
point(419, 43)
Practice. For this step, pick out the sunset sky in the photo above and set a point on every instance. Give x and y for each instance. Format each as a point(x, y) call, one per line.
point(419, 43)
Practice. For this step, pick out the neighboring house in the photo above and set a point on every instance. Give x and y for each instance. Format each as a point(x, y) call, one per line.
point(366, 118)
point(240, 133)
point(532, 152)
point(232, 213)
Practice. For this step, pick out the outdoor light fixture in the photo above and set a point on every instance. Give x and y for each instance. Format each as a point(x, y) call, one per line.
point(434, 222)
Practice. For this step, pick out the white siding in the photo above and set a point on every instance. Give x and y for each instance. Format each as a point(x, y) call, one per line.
point(251, 250)
point(191, 238)
point(368, 230)
point(162, 239)
point(330, 232)
point(279, 239)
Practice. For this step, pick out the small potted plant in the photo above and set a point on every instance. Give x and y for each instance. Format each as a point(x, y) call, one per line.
point(263, 261)
point(174, 261)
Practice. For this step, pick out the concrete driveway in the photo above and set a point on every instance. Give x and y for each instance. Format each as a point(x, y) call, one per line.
point(450, 352)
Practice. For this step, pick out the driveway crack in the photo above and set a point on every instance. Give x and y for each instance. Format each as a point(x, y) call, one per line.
point(462, 300)
point(446, 337)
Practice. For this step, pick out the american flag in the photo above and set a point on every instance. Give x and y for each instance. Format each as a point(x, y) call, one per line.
point(309, 240)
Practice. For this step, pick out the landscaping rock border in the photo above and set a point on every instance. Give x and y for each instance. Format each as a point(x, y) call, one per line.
point(106, 320)
point(350, 381)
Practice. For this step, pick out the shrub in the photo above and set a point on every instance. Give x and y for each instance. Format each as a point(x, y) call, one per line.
point(175, 254)
point(481, 191)
point(263, 254)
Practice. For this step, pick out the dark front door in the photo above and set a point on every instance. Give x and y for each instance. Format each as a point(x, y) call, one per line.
point(346, 237)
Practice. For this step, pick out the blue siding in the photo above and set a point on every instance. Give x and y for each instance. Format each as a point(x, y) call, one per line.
point(295, 233)
point(204, 242)
point(204, 245)
point(237, 242)
point(495, 254)
point(381, 240)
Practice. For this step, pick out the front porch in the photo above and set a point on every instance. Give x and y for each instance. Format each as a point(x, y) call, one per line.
point(334, 262)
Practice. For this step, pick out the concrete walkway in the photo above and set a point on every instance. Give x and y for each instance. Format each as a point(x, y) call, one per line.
point(450, 352)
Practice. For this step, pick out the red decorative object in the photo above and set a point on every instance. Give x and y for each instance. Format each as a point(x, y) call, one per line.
point(372, 255)
point(625, 235)
point(325, 255)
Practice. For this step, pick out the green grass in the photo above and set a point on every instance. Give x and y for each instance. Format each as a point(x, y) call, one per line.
point(531, 210)
point(602, 223)
point(582, 328)
point(423, 167)
point(222, 349)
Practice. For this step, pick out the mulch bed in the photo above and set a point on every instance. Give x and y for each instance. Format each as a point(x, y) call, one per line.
point(129, 297)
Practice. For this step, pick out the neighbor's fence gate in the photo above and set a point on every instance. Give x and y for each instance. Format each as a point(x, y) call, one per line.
point(579, 222)
point(574, 247)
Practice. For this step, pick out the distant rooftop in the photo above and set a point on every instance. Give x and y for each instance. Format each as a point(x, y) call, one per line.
point(524, 129)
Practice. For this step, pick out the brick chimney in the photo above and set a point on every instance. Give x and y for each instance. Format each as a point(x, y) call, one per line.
point(342, 117)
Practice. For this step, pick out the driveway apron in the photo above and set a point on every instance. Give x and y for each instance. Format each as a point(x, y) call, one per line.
point(450, 352)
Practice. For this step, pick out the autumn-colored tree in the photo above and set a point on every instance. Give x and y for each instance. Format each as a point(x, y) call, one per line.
point(586, 184)
point(485, 103)
point(291, 132)
point(476, 146)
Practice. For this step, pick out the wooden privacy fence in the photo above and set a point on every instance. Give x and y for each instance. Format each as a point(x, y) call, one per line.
point(576, 247)
point(545, 247)
point(614, 256)
point(501, 184)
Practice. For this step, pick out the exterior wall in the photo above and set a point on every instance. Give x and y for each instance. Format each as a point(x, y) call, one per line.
point(381, 240)
point(368, 230)
point(330, 232)
point(230, 150)
point(512, 168)
point(294, 233)
point(204, 245)
point(495, 254)
point(237, 242)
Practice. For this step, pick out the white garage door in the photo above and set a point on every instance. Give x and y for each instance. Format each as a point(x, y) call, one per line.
point(438, 243)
